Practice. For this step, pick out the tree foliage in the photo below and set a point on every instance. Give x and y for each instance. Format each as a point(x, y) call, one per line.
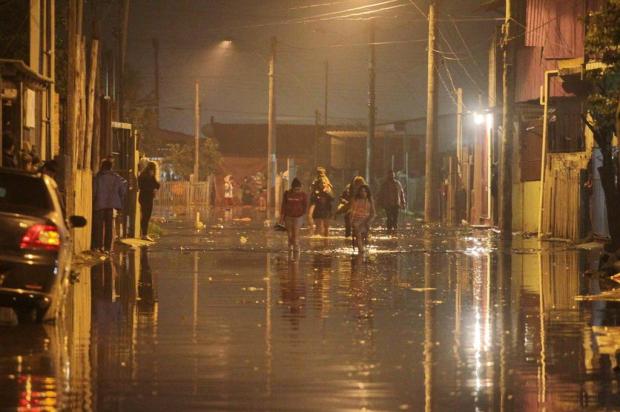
point(139, 110)
point(603, 45)
point(180, 159)
point(602, 103)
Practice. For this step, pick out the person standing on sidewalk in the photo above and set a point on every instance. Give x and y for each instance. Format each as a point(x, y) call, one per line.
point(148, 186)
point(109, 191)
point(392, 199)
point(292, 211)
point(362, 214)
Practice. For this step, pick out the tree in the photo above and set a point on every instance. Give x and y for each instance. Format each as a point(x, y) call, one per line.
point(180, 158)
point(139, 110)
point(602, 103)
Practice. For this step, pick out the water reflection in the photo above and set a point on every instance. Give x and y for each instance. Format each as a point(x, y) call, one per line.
point(458, 323)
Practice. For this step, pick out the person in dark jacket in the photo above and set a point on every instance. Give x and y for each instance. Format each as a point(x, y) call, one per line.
point(148, 185)
point(109, 191)
point(392, 199)
point(8, 152)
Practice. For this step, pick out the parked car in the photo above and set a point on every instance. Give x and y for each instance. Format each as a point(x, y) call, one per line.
point(35, 245)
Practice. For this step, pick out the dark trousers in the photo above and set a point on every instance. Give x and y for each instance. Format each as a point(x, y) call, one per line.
point(103, 229)
point(392, 217)
point(146, 207)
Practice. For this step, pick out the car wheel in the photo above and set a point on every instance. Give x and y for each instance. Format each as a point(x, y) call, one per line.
point(25, 315)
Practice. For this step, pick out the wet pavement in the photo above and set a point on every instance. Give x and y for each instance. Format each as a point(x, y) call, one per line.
point(220, 319)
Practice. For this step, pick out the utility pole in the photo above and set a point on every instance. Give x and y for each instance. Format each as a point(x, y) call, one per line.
point(459, 128)
point(156, 58)
point(326, 142)
point(430, 184)
point(69, 147)
point(271, 133)
point(508, 86)
point(317, 134)
point(124, 19)
point(196, 132)
point(326, 93)
point(370, 136)
point(460, 161)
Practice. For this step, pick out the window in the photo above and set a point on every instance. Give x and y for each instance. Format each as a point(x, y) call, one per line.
point(566, 128)
point(23, 191)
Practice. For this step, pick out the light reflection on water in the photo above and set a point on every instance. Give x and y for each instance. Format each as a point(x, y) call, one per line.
point(448, 323)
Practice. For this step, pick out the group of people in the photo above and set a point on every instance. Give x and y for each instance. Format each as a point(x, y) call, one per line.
point(26, 159)
point(109, 195)
point(355, 203)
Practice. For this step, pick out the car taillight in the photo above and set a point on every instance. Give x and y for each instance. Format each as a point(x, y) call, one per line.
point(41, 237)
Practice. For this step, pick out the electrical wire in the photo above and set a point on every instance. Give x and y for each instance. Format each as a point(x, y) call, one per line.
point(456, 28)
point(467, 73)
point(419, 9)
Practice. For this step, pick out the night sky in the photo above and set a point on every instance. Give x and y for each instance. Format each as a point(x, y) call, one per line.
point(234, 79)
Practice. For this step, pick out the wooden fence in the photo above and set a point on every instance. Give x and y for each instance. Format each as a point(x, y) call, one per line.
point(562, 197)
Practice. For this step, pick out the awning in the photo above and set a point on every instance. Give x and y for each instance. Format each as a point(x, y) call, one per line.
point(18, 69)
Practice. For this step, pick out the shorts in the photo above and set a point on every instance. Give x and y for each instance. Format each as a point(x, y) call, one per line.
point(359, 227)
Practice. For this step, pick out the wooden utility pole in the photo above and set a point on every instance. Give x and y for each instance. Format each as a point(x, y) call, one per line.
point(317, 135)
point(459, 128)
point(196, 131)
point(430, 184)
point(459, 171)
point(506, 149)
point(69, 155)
point(324, 140)
point(156, 74)
point(271, 132)
point(326, 94)
point(122, 51)
point(91, 98)
point(370, 136)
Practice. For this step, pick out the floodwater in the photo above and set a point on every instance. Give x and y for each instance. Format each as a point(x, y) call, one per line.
point(221, 320)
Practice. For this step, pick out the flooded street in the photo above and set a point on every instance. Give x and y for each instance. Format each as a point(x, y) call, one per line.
point(222, 320)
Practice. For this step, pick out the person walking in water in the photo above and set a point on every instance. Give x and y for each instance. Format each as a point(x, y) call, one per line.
point(392, 199)
point(148, 185)
point(362, 214)
point(321, 203)
point(292, 211)
point(344, 207)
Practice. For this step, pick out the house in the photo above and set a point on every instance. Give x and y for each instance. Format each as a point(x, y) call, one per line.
point(28, 100)
point(552, 147)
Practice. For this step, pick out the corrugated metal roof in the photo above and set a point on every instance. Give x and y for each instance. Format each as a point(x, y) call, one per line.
point(554, 31)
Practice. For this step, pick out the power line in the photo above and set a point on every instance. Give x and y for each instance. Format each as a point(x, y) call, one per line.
point(474, 82)
point(456, 27)
point(418, 9)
